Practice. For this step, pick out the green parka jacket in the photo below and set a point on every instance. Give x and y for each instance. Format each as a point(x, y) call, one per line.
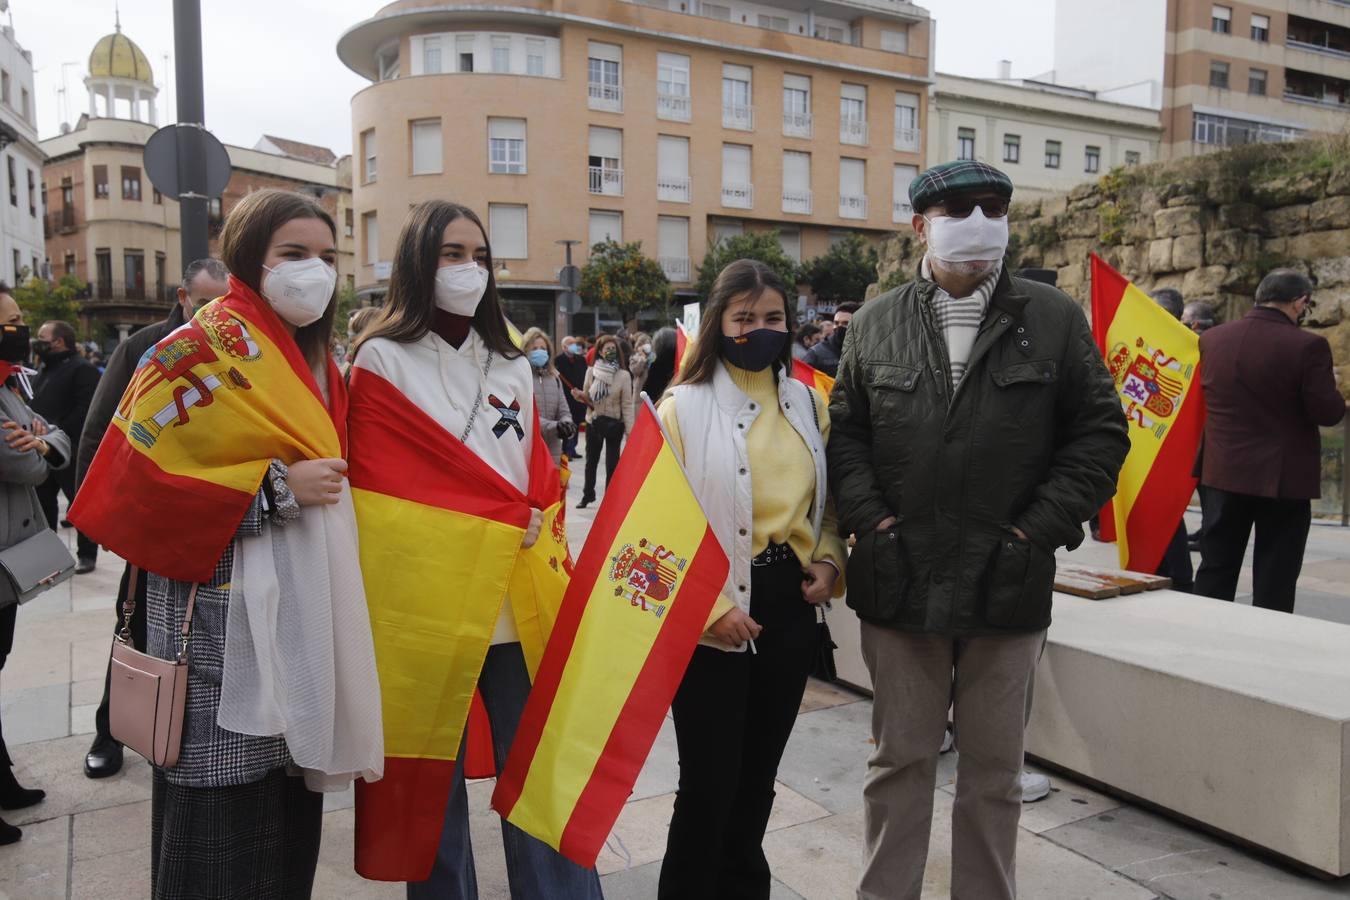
point(1032, 438)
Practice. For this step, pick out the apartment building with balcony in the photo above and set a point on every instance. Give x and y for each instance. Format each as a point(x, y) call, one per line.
point(1243, 72)
point(1047, 138)
point(673, 123)
point(21, 210)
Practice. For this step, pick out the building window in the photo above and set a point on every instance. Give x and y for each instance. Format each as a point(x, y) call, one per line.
point(426, 147)
point(894, 41)
point(901, 210)
point(13, 181)
point(506, 146)
point(501, 53)
point(18, 267)
point(605, 161)
point(370, 230)
point(4, 95)
point(368, 153)
point(431, 55)
point(32, 193)
point(672, 169)
point(1092, 159)
point(101, 182)
point(737, 107)
point(853, 114)
point(1218, 74)
point(965, 143)
point(1260, 28)
point(1012, 148)
point(133, 264)
point(1224, 131)
point(348, 222)
point(387, 60)
point(1221, 19)
point(508, 232)
point(715, 11)
point(156, 197)
point(70, 263)
point(737, 185)
point(852, 189)
point(103, 270)
point(131, 183)
point(672, 87)
point(604, 77)
point(725, 229)
point(1052, 151)
point(605, 226)
point(797, 182)
point(159, 277)
point(797, 106)
point(672, 247)
point(1131, 157)
point(774, 23)
point(23, 103)
point(464, 52)
point(534, 56)
point(906, 121)
point(1256, 82)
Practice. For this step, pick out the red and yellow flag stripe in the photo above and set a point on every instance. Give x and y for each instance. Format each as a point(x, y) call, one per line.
point(812, 377)
point(639, 599)
point(1155, 361)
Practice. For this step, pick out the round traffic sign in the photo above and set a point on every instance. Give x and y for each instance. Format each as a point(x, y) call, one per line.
point(163, 151)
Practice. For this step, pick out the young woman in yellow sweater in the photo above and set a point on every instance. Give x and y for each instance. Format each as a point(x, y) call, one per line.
point(753, 444)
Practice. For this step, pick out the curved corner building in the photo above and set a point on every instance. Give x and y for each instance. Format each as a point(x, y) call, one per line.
point(667, 122)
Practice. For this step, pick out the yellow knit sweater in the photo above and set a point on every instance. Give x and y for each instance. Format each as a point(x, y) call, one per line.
point(782, 476)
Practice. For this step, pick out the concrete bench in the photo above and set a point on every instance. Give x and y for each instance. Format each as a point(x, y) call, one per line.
point(1231, 716)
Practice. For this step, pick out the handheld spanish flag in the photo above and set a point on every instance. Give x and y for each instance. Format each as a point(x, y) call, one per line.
point(682, 341)
point(812, 377)
point(206, 412)
point(1155, 361)
point(639, 598)
point(441, 549)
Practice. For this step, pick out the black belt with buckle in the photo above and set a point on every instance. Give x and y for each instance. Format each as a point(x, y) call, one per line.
point(776, 555)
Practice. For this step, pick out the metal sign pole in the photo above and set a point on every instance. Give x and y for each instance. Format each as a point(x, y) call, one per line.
point(192, 197)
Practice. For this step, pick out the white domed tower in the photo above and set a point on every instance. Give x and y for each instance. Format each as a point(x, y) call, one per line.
point(120, 74)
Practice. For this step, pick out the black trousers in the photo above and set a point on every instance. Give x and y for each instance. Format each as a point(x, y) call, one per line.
point(137, 638)
point(49, 492)
point(604, 433)
point(733, 715)
point(8, 617)
point(1281, 536)
point(1176, 562)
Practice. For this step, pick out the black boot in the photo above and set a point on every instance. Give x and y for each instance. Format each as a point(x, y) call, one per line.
point(104, 758)
point(8, 833)
point(12, 796)
point(586, 501)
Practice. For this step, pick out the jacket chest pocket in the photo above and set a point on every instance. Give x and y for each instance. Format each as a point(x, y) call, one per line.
point(891, 388)
point(1026, 372)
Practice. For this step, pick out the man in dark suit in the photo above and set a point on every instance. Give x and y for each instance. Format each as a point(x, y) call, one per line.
point(1268, 386)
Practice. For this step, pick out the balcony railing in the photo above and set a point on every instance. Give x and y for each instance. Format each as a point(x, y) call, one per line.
point(796, 201)
point(675, 190)
point(675, 267)
point(852, 207)
point(603, 96)
point(907, 139)
point(901, 211)
point(853, 131)
point(797, 124)
point(740, 196)
point(674, 107)
point(1293, 44)
point(606, 181)
point(62, 221)
point(121, 291)
point(737, 116)
point(1332, 102)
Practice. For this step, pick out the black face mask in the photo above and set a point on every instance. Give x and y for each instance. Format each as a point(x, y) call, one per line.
point(41, 348)
point(837, 336)
point(14, 343)
point(755, 350)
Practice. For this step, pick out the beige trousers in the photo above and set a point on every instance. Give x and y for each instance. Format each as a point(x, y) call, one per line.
point(987, 681)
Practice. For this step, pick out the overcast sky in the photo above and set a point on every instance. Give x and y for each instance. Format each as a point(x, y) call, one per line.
point(271, 66)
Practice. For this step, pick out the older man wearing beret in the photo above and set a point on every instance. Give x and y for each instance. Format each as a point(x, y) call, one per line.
point(975, 428)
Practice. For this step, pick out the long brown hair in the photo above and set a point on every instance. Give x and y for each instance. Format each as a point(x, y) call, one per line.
point(748, 277)
point(410, 304)
point(243, 247)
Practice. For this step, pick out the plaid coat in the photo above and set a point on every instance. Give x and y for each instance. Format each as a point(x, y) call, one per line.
point(212, 756)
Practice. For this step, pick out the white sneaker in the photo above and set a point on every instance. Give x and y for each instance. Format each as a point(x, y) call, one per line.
point(1034, 787)
point(947, 740)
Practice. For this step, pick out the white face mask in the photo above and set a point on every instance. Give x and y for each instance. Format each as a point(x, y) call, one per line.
point(300, 289)
point(460, 288)
point(972, 239)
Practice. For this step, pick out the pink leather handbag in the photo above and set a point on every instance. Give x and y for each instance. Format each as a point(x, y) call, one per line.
point(147, 694)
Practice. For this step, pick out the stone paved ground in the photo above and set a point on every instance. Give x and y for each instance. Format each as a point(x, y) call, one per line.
point(90, 839)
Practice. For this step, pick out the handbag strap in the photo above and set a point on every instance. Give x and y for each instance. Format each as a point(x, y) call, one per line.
point(129, 609)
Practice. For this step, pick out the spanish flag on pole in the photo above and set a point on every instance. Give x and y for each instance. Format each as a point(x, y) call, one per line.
point(441, 548)
point(1155, 361)
point(206, 412)
point(639, 599)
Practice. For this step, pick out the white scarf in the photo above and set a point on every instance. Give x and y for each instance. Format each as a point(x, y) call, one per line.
point(304, 667)
point(602, 378)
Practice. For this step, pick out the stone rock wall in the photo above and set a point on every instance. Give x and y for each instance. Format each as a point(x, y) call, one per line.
point(1210, 226)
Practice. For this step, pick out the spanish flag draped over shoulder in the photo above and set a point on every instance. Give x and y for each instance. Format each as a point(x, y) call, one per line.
point(206, 412)
point(1155, 361)
point(441, 549)
point(812, 377)
point(639, 599)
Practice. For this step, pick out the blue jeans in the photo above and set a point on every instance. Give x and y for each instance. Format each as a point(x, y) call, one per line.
point(536, 871)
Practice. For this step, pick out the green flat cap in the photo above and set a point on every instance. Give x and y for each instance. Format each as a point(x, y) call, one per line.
point(960, 177)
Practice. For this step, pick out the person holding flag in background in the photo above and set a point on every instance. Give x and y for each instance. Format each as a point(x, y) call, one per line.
point(463, 550)
point(753, 444)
